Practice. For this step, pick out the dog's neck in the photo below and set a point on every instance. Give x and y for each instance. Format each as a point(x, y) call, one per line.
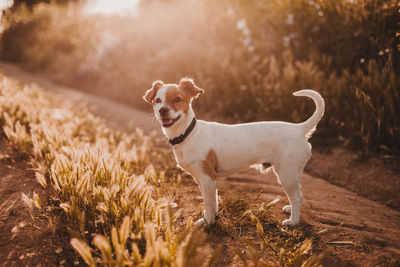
point(180, 126)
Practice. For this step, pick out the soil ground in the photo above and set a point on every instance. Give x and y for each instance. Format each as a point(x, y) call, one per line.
point(363, 210)
point(25, 241)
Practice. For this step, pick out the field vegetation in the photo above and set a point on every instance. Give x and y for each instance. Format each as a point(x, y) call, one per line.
point(105, 190)
point(100, 179)
point(249, 56)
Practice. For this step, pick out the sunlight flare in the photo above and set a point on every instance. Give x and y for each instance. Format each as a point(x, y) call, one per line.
point(107, 7)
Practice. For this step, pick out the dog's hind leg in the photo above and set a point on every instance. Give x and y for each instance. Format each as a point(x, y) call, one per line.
point(290, 181)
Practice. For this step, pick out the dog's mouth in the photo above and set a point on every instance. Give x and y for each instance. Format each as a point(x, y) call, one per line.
point(168, 122)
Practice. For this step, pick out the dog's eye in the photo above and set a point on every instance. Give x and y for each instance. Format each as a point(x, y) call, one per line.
point(158, 100)
point(177, 99)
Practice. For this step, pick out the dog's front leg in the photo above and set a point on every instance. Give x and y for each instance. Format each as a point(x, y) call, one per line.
point(208, 189)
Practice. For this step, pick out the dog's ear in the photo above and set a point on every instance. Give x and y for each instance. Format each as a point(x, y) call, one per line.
point(189, 87)
point(151, 93)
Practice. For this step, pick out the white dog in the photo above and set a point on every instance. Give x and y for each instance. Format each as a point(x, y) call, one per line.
point(208, 150)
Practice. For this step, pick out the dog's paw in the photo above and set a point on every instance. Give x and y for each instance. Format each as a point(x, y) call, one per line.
point(204, 221)
point(289, 222)
point(287, 209)
point(200, 223)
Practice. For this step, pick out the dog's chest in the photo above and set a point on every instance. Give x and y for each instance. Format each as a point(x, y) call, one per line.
point(182, 157)
point(187, 158)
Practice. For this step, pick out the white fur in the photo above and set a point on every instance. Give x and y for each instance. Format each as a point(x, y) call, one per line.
point(284, 145)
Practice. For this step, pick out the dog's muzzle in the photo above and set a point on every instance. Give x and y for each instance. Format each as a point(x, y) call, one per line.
point(168, 122)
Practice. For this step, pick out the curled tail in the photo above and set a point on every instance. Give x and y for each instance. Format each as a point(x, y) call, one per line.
point(310, 125)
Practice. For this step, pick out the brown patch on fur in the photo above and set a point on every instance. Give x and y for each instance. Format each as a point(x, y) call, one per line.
point(171, 96)
point(151, 93)
point(210, 164)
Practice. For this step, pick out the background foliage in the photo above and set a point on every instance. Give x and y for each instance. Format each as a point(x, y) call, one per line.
point(249, 56)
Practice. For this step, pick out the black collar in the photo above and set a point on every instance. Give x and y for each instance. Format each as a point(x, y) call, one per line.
point(182, 137)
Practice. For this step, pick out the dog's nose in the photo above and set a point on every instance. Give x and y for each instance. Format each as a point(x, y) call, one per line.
point(164, 111)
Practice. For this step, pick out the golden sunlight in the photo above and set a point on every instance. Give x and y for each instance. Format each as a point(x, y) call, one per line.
point(4, 4)
point(107, 7)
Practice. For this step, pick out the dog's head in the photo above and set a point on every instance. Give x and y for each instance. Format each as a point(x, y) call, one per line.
point(171, 102)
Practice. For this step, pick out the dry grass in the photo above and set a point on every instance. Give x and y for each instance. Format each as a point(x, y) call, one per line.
point(259, 238)
point(99, 179)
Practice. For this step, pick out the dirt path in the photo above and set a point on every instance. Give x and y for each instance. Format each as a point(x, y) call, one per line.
point(337, 213)
point(370, 229)
point(118, 116)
